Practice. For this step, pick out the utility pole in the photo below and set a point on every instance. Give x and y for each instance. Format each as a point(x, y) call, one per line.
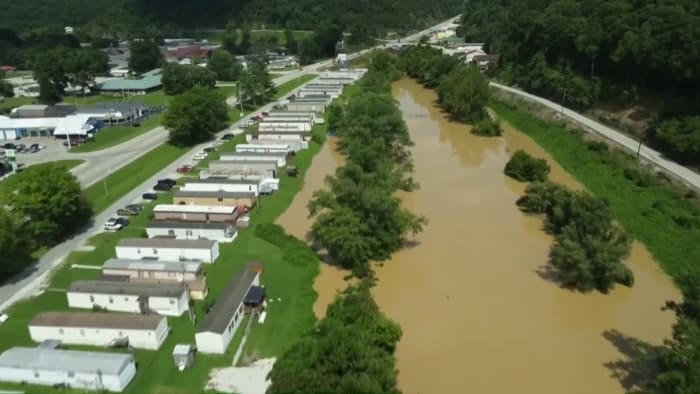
point(104, 182)
point(563, 100)
point(639, 148)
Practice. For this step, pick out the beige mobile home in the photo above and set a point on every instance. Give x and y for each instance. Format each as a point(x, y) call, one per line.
point(191, 273)
point(242, 199)
point(196, 213)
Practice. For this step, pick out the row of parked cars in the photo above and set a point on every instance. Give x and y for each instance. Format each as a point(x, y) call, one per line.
point(22, 148)
point(120, 221)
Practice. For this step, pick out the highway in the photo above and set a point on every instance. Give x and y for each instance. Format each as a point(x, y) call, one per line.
point(96, 167)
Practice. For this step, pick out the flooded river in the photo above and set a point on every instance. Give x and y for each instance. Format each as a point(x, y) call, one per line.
point(477, 313)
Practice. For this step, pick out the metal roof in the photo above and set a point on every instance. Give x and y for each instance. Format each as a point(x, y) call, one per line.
point(214, 194)
point(166, 243)
point(213, 179)
point(147, 81)
point(234, 155)
point(173, 224)
point(219, 317)
point(152, 265)
point(132, 321)
point(43, 359)
point(180, 208)
point(128, 288)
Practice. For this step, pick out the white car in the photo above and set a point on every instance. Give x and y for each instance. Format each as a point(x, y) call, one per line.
point(112, 224)
point(199, 156)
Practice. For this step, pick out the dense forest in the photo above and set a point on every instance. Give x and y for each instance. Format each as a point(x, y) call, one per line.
point(582, 52)
point(134, 15)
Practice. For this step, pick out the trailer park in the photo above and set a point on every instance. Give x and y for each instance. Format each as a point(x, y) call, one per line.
point(156, 304)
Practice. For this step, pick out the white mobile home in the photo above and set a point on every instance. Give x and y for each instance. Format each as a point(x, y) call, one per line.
point(221, 322)
point(168, 299)
point(243, 166)
point(294, 145)
point(100, 329)
point(315, 106)
point(292, 114)
point(77, 369)
point(291, 125)
point(289, 118)
point(189, 272)
point(260, 184)
point(282, 149)
point(299, 136)
point(221, 232)
point(165, 249)
point(279, 157)
point(314, 92)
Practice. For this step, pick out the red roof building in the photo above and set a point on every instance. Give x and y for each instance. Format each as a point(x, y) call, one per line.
point(187, 52)
point(7, 68)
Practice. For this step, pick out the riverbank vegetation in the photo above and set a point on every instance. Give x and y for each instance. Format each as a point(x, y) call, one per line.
point(487, 127)
point(525, 168)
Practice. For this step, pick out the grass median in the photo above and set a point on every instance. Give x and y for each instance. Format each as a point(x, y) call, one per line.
point(115, 135)
point(662, 216)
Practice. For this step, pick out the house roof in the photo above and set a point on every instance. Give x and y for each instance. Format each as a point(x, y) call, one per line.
point(268, 121)
point(131, 321)
point(149, 265)
point(282, 114)
point(255, 295)
point(225, 181)
point(74, 124)
point(146, 81)
point(195, 208)
point(240, 160)
point(113, 107)
point(233, 155)
point(166, 243)
point(128, 288)
point(281, 132)
point(44, 359)
point(173, 224)
point(218, 319)
point(213, 194)
point(187, 51)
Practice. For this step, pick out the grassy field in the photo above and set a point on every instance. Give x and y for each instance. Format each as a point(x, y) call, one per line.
point(8, 103)
point(287, 319)
point(256, 36)
point(665, 218)
point(17, 73)
point(115, 135)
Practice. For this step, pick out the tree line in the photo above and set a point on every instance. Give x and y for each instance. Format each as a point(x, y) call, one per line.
point(42, 206)
point(580, 52)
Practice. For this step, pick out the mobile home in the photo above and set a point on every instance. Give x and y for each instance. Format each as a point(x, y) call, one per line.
point(196, 213)
point(282, 149)
point(241, 199)
point(221, 232)
point(299, 136)
point(100, 329)
point(96, 371)
point(294, 145)
point(316, 106)
point(261, 184)
point(188, 272)
point(165, 249)
point(243, 166)
point(280, 157)
point(315, 92)
point(221, 322)
point(168, 299)
point(301, 125)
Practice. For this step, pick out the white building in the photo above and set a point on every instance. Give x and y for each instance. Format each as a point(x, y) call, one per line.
point(166, 249)
point(281, 149)
point(277, 136)
point(168, 299)
point(304, 115)
point(189, 272)
point(196, 213)
point(100, 329)
point(227, 167)
point(72, 125)
point(318, 92)
point(307, 105)
point(221, 232)
point(294, 145)
point(292, 125)
point(77, 369)
point(221, 322)
point(279, 157)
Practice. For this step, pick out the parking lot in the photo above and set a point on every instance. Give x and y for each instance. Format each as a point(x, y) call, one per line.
point(53, 150)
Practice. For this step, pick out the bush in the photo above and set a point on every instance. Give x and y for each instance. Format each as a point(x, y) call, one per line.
point(487, 127)
point(638, 177)
point(525, 168)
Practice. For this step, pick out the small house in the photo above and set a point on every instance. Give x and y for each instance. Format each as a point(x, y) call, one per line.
point(168, 299)
point(304, 92)
point(292, 125)
point(196, 213)
point(219, 197)
point(243, 166)
point(314, 106)
point(191, 273)
point(281, 149)
point(83, 370)
point(221, 232)
point(257, 183)
point(295, 145)
point(223, 319)
point(165, 249)
point(100, 329)
point(277, 136)
point(183, 355)
point(279, 157)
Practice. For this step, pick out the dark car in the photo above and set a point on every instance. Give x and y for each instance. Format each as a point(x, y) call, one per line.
point(162, 187)
point(209, 149)
point(167, 181)
point(126, 212)
point(9, 145)
point(21, 148)
point(123, 221)
point(149, 196)
point(265, 113)
point(134, 207)
point(227, 137)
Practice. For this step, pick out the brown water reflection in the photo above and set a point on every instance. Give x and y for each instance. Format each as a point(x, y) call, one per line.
point(477, 314)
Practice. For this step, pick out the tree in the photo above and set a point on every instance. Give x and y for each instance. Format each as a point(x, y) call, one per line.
point(49, 72)
point(180, 78)
point(6, 89)
point(290, 42)
point(144, 56)
point(525, 168)
point(15, 247)
point(50, 200)
point(256, 84)
point(308, 50)
point(333, 358)
point(487, 127)
point(464, 93)
point(222, 64)
point(195, 115)
point(229, 39)
point(681, 136)
point(83, 65)
point(244, 46)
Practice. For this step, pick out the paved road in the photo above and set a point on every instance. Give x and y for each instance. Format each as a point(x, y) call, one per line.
point(684, 174)
point(95, 169)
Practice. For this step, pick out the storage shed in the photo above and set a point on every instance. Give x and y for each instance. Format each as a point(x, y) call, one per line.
point(221, 232)
point(223, 319)
point(219, 197)
point(157, 271)
point(183, 355)
point(196, 213)
point(166, 249)
point(100, 329)
point(72, 368)
point(163, 298)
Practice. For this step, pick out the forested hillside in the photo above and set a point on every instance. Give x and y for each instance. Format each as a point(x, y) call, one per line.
point(587, 50)
point(358, 15)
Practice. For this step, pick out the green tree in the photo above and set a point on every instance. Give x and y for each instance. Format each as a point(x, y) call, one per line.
point(290, 42)
point(6, 89)
point(83, 65)
point(195, 116)
point(256, 83)
point(229, 39)
point(487, 127)
point(144, 56)
point(222, 64)
point(49, 72)
point(525, 168)
point(464, 93)
point(245, 44)
point(681, 136)
point(308, 50)
point(51, 201)
point(14, 245)
point(333, 358)
point(180, 78)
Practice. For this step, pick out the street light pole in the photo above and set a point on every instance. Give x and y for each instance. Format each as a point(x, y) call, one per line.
point(104, 182)
point(639, 147)
point(563, 100)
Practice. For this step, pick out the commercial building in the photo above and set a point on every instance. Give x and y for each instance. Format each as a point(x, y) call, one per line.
point(221, 322)
point(166, 249)
point(191, 273)
point(143, 84)
point(72, 368)
point(100, 329)
point(72, 125)
point(221, 232)
point(168, 299)
point(118, 113)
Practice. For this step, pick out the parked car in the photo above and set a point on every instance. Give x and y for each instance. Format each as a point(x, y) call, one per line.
point(184, 169)
point(168, 181)
point(73, 142)
point(209, 149)
point(134, 207)
point(126, 212)
point(149, 196)
point(123, 221)
point(246, 123)
point(21, 148)
point(33, 148)
point(162, 187)
point(112, 224)
point(227, 136)
point(199, 156)
point(265, 113)
point(9, 145)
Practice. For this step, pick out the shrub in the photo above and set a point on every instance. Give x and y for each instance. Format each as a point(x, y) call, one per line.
point(526, 168)
point(638, 177)
point(487, 127)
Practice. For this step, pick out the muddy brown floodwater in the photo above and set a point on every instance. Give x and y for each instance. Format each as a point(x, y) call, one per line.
point(476, 312)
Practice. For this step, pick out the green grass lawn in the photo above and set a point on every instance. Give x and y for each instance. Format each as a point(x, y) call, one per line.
point(17, 73)
point(8, 103)
point(287, 87)
point(665, 219)
point(114, 135)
